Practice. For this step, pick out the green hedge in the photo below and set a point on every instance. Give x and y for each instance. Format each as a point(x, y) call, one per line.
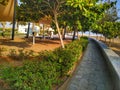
point(47, 70)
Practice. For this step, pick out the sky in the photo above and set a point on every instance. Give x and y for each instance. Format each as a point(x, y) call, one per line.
point(118, 7)
point(18, 1)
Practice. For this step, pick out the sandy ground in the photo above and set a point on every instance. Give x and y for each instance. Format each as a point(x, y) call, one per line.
point(115, 44)
point(47, 44)
point(27, 44)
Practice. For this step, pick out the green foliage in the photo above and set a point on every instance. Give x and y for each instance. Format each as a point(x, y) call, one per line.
point(84, 13)
point(111, 29)
point(88, 12)
point(45, 71)
point(33, 8)
point(31, 76)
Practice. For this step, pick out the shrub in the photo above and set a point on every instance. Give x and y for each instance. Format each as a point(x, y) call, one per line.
point(13, 54)
point(31, 76)
point(21, 54)
point(47, 70)
point(2, 50)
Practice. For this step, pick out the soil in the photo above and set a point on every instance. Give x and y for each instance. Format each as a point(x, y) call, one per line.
point(114, 45)
point(26, 44)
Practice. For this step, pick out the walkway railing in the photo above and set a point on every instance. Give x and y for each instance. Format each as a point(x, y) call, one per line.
point(113, 61)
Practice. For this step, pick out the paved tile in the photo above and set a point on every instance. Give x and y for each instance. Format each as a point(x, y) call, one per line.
point(92, 72)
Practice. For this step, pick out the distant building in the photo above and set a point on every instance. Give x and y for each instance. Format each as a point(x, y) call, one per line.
point(24, 29)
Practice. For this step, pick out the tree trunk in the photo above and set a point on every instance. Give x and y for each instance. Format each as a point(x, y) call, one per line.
point(113, 40)
point(28, 30)
point(100, 37)
point(82, 33)
point(74, 33)
point(33, 25)
point(109, 42)
point(105, 39)
point(96, 36)
point(17, 24)
point(33, 32)
point(89, 33)
point(64, 32)
point(77, 34)
point(43, 31)
point(58, 29)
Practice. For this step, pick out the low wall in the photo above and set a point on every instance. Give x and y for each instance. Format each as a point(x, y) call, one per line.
point(113, 61)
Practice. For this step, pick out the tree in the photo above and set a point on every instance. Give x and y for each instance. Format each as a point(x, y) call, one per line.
point(69, 18)
point(105, 24)
point(54, 9)
point(46, 20)
point(82, 14)
point(40, 8)
point(29, 11)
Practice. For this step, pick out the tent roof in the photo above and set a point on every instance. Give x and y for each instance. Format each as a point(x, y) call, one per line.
point(6, 12)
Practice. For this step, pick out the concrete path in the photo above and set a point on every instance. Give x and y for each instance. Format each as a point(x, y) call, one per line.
point(92, 72)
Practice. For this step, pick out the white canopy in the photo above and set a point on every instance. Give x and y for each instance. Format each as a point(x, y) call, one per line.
point(6, 11)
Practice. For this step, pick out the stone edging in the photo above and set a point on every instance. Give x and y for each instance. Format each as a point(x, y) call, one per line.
point(113, 61)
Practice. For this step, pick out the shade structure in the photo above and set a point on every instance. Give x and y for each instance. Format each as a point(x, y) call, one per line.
point(6, 11)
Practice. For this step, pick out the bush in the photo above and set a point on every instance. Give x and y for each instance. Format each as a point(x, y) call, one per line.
point(13, 54)
point(21, 54)
point(31, 76)
point(2, 50)
point(47, 70)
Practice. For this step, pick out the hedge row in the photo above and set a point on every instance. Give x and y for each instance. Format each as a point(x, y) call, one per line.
point(45, 72)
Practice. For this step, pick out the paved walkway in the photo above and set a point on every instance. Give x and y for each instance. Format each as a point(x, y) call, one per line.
point(92, 73)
